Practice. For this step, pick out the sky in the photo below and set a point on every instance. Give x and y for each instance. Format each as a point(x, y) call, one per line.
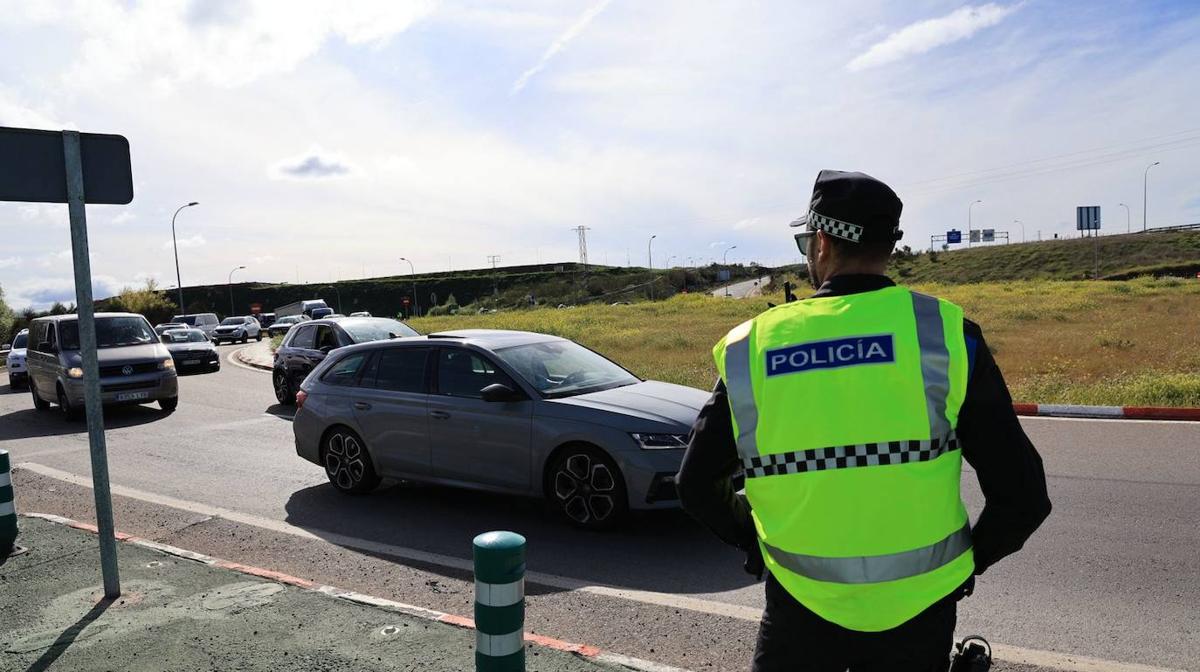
point(326, 141)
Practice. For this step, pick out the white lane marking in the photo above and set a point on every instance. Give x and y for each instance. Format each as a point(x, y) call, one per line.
point(1059, 661)
point(1069, 410)
point(1106, 421)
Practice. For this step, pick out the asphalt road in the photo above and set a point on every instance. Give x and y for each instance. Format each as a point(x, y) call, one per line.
point(744, 289)
point(1114, 574)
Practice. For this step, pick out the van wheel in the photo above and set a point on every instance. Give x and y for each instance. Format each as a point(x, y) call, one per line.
point(69, 411)
point(347, 463)
point(587, 487)
point(38, 403)
point(284, 393)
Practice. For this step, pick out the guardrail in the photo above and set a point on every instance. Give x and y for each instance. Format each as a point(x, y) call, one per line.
point(1180, 227)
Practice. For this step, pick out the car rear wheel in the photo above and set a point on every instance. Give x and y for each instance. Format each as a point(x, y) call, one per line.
point(587, 487)
point(258, 336)
point(347, 463)
point(284, 393)
point(38, 403)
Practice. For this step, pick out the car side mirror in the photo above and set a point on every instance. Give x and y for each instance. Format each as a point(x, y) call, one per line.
point(499, 392)
point(164, 338)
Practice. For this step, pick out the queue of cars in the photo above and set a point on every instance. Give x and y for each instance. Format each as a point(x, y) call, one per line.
point(503, 411)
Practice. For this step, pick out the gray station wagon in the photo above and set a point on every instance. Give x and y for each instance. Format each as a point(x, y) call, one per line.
point(135, 368)
point(505, 411)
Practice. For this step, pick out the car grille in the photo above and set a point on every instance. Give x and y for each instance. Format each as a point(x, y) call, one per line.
point(122, 387)
point(116, 370)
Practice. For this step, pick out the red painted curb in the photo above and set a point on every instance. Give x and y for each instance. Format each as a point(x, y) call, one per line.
point(1109, 412)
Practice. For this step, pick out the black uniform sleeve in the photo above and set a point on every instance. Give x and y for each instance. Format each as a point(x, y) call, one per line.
point(1007, 465)
point(705, 479)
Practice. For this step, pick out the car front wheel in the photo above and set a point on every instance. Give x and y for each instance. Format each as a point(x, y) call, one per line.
point(169, 404)
point(258, 336)
point(347, 463)
point(587, 487)
point(284, 393)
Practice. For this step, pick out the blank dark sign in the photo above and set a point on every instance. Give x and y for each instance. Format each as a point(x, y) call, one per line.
point(32, 167)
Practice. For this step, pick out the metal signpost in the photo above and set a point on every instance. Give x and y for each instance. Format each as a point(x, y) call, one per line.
point(76, 168)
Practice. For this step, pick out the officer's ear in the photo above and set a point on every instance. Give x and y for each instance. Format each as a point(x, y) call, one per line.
point(825, 247)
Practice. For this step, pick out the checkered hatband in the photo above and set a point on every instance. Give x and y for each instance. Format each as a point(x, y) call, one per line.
point(835, 227)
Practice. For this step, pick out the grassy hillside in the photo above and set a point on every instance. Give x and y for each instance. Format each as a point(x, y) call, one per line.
point(1123, 342)
point(1120, 257)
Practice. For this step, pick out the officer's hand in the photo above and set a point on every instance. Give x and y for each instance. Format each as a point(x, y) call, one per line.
point(754, 563)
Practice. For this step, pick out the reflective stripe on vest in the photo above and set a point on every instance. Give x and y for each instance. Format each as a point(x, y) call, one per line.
point(740, 385)
point(876, 568)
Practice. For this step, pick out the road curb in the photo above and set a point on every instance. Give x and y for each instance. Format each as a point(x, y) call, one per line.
point(1109, 412)
point(237, 354)
point(581, 650)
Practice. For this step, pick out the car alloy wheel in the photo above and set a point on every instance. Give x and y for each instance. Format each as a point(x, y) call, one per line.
point(283, 388)
point(347, 463)
point(586, 490)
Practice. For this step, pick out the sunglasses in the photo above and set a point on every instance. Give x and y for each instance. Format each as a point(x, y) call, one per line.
point(802, 239)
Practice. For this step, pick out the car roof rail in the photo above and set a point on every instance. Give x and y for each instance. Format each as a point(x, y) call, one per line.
point(444, 335)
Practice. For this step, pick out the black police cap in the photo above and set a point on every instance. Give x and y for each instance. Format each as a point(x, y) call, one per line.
point(853, 206)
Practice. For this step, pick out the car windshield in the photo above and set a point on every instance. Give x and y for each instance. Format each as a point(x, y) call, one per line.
point(111, 332)
point(186, 336)
point(362, 330)
point(233, 320)
point(189, 320)
point(287, 320)
point(20, 340)
point(564, 369)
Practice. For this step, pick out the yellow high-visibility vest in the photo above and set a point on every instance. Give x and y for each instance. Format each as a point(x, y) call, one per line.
point(844, 410)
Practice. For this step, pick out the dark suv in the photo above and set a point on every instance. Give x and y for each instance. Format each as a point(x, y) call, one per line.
point(307, 344)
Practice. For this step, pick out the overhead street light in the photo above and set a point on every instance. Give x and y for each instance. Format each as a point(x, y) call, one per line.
point(232, 307)
point(1127, 225)
point(969, 207)
point(1145, 181)
point(338, 292)
point(413, 272)
point(175, 245)
point(1017, 221)
point(650, 261)
point(725, 262)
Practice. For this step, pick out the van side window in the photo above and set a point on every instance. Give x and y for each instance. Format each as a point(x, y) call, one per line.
point(49, 340)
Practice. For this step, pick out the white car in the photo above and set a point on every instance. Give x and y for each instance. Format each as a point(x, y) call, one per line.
point(241, 328)
point(17, 373)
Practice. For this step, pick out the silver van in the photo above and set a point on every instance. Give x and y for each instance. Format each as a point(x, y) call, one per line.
point(135, 368)
point(205, 322)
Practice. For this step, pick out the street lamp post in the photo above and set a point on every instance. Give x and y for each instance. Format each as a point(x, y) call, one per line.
point(1127, 220)
point(1017, 221)
point(650, 261)
point(175, 245)
point(413, 272)
point(969, 207)
point(1145, 181)
point(725, 263)
point(232, 307)
point(337, 292)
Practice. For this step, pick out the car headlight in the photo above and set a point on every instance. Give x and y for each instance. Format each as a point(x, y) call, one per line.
point(660, 441)
point(74, 372)
point(167, 363)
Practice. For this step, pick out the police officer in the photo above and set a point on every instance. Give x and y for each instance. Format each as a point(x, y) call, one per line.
point(849, 414)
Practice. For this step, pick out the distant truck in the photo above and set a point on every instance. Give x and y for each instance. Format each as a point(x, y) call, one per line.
point(305, 308)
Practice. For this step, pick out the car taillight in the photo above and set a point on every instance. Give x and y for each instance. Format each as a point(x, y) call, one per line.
point(301, 395)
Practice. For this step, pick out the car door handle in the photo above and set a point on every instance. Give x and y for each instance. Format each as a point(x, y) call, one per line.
point(440, 415)
point(362, 406)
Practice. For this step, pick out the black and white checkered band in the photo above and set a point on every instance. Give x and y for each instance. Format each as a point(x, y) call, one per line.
point(846, 457)
point(835, 227)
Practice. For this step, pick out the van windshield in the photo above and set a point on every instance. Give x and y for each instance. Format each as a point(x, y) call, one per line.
point(189, 320)
point(111, 332)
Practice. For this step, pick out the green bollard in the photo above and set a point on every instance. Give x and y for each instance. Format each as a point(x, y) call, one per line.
point(499, 602)
point(8, 510)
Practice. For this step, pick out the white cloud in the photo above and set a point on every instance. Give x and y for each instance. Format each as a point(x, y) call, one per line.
point(189, 242)
point(559, 44)
point(922, 36)
point(263, 259)
point(10, 262)
point(717, 243)
point(747, 223)
point(221, 42)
